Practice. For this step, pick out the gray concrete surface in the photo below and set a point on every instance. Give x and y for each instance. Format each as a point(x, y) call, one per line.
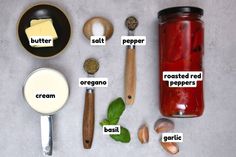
point(212, 135)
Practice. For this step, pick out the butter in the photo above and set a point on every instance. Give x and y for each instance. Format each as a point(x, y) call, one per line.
point(42, 29)
point(35, 22)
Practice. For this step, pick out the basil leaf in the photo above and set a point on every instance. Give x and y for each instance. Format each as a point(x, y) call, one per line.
point(104, 122)
point(114, 121)
point(124, 135)
point(115, 110)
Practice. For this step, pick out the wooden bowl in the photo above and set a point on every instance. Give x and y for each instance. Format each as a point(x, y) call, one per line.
point(108, 27)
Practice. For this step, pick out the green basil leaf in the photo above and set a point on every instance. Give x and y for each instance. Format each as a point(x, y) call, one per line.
point(124, 135)
point(114, 121)
point(104, 122)
point(115, 110)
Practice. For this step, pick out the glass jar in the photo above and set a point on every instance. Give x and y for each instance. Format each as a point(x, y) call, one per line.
point(181, 48)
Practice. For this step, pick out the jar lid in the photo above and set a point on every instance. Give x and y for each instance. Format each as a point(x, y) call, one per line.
point(181, 9)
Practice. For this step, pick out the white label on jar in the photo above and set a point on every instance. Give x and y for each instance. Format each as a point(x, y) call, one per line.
point(133, 40)
point(98, 40)
point(182, 78)
point(111, 129)
point(172, 137)
point(93, 82)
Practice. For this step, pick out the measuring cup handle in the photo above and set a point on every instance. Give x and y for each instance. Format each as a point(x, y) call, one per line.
point(130, 76)
point(46, 134)
point(88, 119)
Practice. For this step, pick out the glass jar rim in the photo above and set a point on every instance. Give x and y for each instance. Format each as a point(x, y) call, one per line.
point(180, 9)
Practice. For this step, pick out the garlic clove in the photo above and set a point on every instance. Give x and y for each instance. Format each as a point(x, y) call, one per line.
point(164, 125)
point(143, 134)
point(170, 147)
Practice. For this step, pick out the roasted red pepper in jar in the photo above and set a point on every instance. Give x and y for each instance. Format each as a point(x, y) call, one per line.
point(181, 48)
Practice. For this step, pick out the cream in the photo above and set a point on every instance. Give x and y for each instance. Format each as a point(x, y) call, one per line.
point(46, 90)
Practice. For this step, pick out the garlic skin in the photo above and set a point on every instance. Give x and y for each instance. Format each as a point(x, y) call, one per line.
point(170, 147)
point(143, 134)
point(164, 125)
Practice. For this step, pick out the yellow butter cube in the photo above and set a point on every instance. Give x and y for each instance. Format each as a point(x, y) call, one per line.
point(35, 22)
point(42, 29)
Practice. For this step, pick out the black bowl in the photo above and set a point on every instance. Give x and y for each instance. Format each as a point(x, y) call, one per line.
point(60, 23)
